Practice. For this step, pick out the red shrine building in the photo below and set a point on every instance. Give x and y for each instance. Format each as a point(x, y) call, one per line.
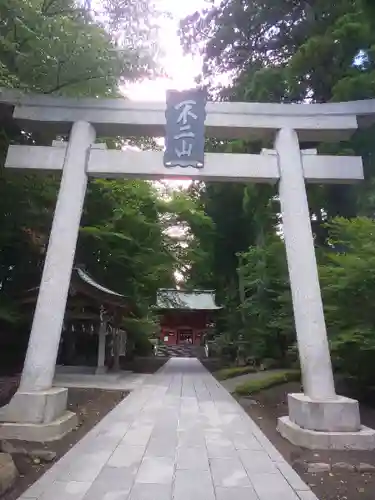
point(185, 316)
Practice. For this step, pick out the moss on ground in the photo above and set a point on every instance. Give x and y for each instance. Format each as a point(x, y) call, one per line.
point(234, 371)
point(267, 381)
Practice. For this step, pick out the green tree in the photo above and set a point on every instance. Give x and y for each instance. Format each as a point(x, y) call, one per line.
point(57, 46)
point(278, 51)
point(347, 275)
point(122, 240)
point(62, 47)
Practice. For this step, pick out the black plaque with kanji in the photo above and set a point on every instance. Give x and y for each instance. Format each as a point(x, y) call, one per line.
point(185, 116)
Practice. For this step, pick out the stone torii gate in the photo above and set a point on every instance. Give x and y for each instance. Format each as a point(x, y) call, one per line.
point(318, 418)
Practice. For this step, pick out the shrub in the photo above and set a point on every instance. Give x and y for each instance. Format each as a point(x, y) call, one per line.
point(347, 277)
point(266, 381)
point(234, 371)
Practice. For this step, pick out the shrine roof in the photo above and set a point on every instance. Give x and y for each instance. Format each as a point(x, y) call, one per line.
point(198, 300)
point(82, 283)
point(90, 281)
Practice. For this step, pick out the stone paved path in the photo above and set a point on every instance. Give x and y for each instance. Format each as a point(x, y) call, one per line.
point(179, 436)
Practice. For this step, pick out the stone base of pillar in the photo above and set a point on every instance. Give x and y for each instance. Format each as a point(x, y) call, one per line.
point(364, 439)
point(325, 424)
point(332, 415)
point(39, 407)
point(37, 416)
point(40, 433)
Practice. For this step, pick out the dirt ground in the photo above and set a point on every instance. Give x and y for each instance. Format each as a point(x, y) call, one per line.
point(91, 405)
point(267, 405)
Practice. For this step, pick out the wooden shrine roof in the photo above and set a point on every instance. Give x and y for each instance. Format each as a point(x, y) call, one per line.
point(82, 283)
point(194, 300)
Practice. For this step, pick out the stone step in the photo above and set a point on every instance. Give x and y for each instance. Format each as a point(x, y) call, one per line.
point(181, 351)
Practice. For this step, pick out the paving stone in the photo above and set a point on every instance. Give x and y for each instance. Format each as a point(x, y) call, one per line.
point(192, 458)
point(151, 492)
point(100, 443)
point(193, 485)
point(129, 457)
point(257, 461)
point(105, 491)
point(212, 434)
point(218, 447)
point(165, 426)
point(137, 436)
point(162, 446)
point(292, 477)
point(118, 429)
point(246, 442)
point(267, 446)
point(70, 490)
point(158, 470)
point(85, 468)
point(229, 472)
point(235, 494)
point(172, 438)
point(111, 479)
point(42, 483)
point(272, 487)
point(218, 438)
point(191, 439)
point(307, 495)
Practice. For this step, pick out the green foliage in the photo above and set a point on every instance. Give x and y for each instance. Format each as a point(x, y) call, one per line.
point(347, 276)
point(266, 309)
point(57, 46)
point(267, 381)
point(186, 225)
point(348, 288)
point(234, 371)
point(79, 49)
point(278, 51)
point(142, 346)
point(121, 239)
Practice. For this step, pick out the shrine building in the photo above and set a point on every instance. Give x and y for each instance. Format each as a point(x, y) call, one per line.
point(185, 316)
point(91, 332)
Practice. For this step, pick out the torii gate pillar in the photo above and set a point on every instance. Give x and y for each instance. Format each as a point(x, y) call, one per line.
point(303, 273)
point(38, 411)
point(318, 418)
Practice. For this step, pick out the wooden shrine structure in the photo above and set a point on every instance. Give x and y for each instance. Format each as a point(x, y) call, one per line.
point(185, 316)
point(91, 333)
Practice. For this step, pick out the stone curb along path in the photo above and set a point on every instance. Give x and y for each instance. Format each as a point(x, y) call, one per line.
point(179, 436)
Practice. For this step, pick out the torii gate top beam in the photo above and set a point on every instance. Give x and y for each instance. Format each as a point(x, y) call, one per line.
point(225, 120)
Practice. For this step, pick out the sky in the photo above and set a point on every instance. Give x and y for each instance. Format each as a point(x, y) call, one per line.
point(181, 69)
